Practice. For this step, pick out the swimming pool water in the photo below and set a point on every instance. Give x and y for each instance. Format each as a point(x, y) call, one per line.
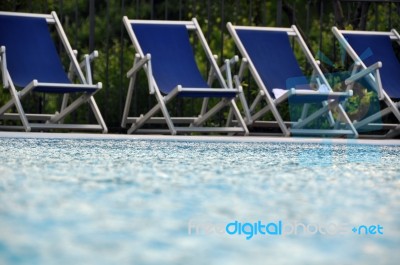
point(65, 201)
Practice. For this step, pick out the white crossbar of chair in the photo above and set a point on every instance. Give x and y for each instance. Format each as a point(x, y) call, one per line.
point(47, 126)
point(49, 18)
point(321, 132)
point(30, 116)
point(361, 32)
point(65, 126)
point(74, 86)
point(180, 89)
point(161, 120)
point(188, 24)
point(289, 31)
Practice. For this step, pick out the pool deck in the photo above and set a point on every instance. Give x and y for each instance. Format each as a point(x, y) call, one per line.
point(242, 139)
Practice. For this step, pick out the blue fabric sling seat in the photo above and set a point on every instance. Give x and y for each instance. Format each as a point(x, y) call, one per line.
point(32, 55)
point(172, 59)
point(273, 57)
point(374, 48)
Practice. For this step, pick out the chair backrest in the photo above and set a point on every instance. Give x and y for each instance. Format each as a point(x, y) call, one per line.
point(374, 48)
point(30, 50)
point(172, 57)
point(273, 58)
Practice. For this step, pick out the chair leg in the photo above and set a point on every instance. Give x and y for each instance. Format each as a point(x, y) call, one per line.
point(97, 114)
point(277, 116)
point(304, 111)
point(256, 101)
point(204, 106)
point(343, 114)
point(128, 100)
point(17, 103)
point(394, 108)
point(246, 109)
point(165, 112)
point(64, 104)
point(239, 117)
point(229, 118)
point(331, 120)
point(393, 133)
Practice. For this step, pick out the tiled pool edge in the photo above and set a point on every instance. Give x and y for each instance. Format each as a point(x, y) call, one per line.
point(240, 139)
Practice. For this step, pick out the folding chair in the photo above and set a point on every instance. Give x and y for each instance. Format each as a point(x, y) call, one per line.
point(165, 53)
point(377, 66)
point(30, 63)
point(268, 54)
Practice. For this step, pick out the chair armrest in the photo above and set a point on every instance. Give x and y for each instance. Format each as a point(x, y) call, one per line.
point(3, 66)
point(224, 68)
point(373, 69)
point(243, 66)
point(397, 35)
point(227, 69)
point(140, 62)
point(72, 71)
point(85, 64)
point(88, 58)
point(229, 63)
point(137, 64)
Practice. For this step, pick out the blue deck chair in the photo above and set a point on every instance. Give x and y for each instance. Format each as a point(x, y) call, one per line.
point(164, 51)
point(268, 54)
point(30, 63)
point(375, 63)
